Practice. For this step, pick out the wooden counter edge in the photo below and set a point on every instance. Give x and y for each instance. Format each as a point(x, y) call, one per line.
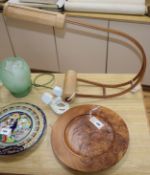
point(112, 17)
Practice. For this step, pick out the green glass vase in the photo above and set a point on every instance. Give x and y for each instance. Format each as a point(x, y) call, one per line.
point(16, 76)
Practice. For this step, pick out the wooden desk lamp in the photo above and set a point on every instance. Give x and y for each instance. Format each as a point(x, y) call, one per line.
point(75, 141)
point(58, 20)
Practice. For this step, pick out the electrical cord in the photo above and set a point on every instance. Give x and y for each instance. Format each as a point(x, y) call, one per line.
point(50, 81)
point(36, 79)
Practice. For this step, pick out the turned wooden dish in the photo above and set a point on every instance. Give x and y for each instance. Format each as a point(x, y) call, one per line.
point(85, 146)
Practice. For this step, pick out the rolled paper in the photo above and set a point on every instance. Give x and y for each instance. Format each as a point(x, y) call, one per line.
point(111, 1)
point(40, 1)
point(29, 4)
point(106, 8)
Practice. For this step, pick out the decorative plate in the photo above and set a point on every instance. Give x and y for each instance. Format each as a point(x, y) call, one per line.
point(21, 126)
point(89, 138)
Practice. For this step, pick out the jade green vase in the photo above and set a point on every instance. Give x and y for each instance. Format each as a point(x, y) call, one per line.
point(16, 76)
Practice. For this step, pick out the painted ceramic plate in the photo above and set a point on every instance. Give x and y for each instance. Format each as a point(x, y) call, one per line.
point(21, 126)
point(90, 138)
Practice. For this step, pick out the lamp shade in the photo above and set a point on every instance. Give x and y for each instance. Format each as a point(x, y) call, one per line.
point(16, 76)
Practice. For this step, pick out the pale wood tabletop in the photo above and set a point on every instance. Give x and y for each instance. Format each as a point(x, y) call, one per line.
point(41, 159)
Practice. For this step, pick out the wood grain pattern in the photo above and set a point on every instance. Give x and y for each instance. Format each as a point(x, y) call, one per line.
point(146, 95)
point(34, 15)
point(85, 147)
point(41, 159)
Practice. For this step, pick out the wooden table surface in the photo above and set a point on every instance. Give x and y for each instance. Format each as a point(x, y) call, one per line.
point(41, 160)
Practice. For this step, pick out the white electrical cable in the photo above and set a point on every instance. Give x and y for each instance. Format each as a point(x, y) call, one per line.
point(57, 91)
point(55, 101)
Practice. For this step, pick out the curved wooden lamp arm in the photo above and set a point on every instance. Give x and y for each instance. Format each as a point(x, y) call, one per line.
point(133, 82)
point(57, 20)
